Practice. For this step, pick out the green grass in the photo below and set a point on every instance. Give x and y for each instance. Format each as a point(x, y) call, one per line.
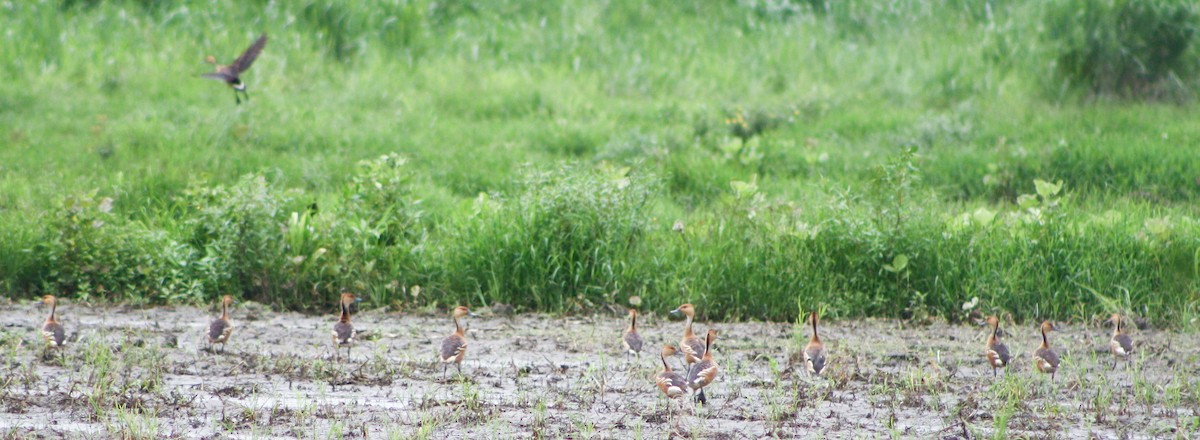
point(537, 154)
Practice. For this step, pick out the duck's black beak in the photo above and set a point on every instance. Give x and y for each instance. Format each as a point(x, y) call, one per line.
point(676, 314)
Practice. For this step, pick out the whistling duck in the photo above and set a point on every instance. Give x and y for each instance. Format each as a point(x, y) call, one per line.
point(454, 347)
point(1121, 344)
point(220, 329)
point(691, 346)
point(231, 74)
point(631, 338)
point(814, 352)
point(669, 382)
point(704, 372)
point(1044, 358)
point(52, 331)
point(997, 352)
point(343, 331)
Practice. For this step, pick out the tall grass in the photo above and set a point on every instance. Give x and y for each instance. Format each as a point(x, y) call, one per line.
point(562, 243)
point(871, 158)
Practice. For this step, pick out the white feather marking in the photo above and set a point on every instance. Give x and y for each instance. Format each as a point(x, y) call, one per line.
point(995, 358)
point(1117, 348)
point(705, 375)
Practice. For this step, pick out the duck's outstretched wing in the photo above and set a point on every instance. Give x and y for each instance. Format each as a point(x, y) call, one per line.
point(243, 62)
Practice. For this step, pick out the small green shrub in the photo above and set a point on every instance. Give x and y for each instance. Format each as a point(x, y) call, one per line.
point(379, 234)
point(890, 190)
point(95, 254)
point(251, 245)
point(381, 194)
point(1126, 48)
point(238, 231)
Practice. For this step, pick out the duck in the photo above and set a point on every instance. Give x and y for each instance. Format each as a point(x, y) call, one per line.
point(1045, 359)
point(631, 339)
point(997, 352)
point(1121, 345)
point(691, 346)
point(220, 328)
point(669, 382)
point(343, 330)
point(454, 346)
point(231, 73)
point(704, 372)
point(814, 352)
point(53, 332)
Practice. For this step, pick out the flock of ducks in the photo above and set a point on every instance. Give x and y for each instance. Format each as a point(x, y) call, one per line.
point(700, 367)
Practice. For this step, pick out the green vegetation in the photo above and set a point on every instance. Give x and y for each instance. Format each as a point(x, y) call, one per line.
point(884, 159)
point(1126, 48)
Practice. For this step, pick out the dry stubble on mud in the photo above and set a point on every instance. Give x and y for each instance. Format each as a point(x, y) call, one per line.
point(146, 373)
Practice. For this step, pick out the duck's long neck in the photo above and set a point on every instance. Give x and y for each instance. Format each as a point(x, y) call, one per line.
point(458, 328)
point(1045, 341)
point(664, 360)
point(687, 327)
point(53, 306)
point(996, 330)
point(633, 322)
point(224, 309)
point(1117, 327)
point(345, 313)
point(708, 346)
point(814, 324)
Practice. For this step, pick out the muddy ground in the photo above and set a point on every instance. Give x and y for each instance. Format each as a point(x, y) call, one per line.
point(147, 373)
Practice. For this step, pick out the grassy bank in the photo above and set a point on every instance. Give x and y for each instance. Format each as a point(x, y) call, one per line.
point(872, 160)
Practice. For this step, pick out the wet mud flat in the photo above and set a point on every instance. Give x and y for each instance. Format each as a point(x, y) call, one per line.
point(148, 373)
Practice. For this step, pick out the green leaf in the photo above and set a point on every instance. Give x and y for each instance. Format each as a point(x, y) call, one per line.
point(1159, 226)
point(1047, 189)
point(899, 262)
point(730, 146)
point(743, 190)
point(983, 216)
point(1026, 201)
